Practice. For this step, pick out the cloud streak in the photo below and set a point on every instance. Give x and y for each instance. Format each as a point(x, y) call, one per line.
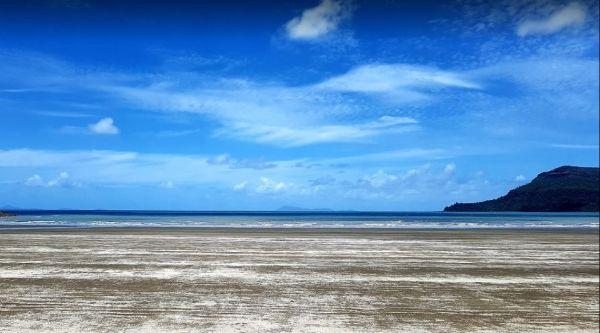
point(574, 146)
point(400, 79)
point(365, 103)
point(263, 112)
point(288, 136)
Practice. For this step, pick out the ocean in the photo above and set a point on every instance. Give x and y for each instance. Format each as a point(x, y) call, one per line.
point(269, 219)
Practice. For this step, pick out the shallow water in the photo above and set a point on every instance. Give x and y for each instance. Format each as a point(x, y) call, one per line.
point(405, 220)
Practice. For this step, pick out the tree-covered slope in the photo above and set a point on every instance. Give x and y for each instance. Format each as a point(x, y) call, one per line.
point(564, 189)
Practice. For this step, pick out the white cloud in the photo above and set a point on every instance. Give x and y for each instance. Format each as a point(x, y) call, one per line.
point(167, 184)
point(329, 110)
point(574, 14)
point(318, 21)
point(233, 163)
point(34, 180)
point(449, 168)
point(401, 83)
point(267, 185)
point(520, 178)
point(352, 106)
point(264, 112)
point(363, 181)
point(420, 182)
point(61, 180)
point(240, 186)
point(380, 179)
point(104, 126)
point(114, 167)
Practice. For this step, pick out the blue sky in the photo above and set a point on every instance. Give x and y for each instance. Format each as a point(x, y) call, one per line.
point(364, 105)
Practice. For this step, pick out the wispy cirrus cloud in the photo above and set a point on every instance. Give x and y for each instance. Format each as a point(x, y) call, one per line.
point(291, 136)
point(263, 112)
point(362, 104)
point(574, 146)
point(403, 83)
point(63, 114)
point(376, 78)
point(393, 155)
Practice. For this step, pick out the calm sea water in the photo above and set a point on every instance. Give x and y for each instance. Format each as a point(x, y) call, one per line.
point(409, 220)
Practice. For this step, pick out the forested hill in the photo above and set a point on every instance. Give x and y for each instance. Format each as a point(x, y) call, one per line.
point(564, 189)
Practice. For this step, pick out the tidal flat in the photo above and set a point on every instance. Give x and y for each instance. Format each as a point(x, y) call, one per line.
point(298, 280)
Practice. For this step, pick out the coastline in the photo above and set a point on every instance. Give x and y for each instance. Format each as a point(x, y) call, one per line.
point(299, 231)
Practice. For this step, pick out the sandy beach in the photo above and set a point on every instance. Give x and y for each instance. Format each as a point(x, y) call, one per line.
point(269, 280)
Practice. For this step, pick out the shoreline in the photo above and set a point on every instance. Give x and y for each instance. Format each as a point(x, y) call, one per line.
point(326, 230)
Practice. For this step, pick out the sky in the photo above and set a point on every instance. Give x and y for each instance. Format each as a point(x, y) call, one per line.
point(346, 105)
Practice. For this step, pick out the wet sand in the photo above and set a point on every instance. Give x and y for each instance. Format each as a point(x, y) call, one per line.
point(229, 280)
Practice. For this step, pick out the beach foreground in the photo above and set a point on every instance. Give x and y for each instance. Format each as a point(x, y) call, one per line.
point(320, 280)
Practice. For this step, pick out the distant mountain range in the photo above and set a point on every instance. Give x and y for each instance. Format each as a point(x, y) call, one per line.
point(300, 209)
point(564, 189)
point(9, 207)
